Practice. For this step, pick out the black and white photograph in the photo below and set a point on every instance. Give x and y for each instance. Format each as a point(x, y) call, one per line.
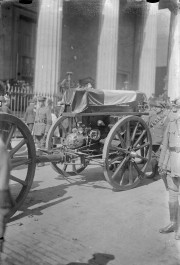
point(89, 132)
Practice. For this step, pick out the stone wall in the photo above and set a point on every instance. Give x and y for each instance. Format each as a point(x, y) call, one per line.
point(6, 44)
point(79, 46)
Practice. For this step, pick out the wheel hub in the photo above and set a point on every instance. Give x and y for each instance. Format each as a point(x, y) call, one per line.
point(133, 153)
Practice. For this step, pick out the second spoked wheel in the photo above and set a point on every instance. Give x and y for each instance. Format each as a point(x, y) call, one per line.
point(20, 145)
point(73, 163)
point(127, 153)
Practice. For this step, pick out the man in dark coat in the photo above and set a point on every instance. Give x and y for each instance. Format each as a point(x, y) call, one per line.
point(42, 124)
point(29, 116)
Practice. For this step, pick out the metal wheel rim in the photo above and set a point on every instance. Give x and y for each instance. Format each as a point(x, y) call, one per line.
point(14, 122)
point(54, 165)
point(111, 176)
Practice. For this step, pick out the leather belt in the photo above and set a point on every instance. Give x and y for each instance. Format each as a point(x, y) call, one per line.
point(174, 149)
point(42, 121)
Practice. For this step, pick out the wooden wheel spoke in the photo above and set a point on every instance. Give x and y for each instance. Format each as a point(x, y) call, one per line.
point(142, 157)
point(139, 138)
point(119, 167)
point(64, 167)
point(123, 150)
point(130, 173)
point(116, 160)
point(141, 146)
point(128, 139)
point(20, 161)
point(12, 130)
point(17, 147)
point(22, 182)
point(134, 132)
point(121, 139)
point(122, 179)
point(140, 173)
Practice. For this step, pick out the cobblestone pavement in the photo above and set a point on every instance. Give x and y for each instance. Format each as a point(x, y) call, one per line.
point(85, 222)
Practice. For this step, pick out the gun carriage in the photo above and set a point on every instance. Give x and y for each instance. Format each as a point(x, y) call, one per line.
point(97, 127)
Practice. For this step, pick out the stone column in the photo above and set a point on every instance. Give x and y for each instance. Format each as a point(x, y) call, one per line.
point(108, 46)
point(147, 64)
point(48, 48)
point(174, 57)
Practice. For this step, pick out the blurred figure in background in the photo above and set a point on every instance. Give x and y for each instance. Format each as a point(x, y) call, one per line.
point(86, 83)
point(29, 116)
point(42, 124)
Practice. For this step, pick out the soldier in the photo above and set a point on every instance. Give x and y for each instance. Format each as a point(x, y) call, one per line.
point(157, 122)
point(42, 124)
point(29, 116)
point(169, 165)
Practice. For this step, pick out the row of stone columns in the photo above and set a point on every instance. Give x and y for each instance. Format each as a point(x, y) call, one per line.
point(48, 48)
point(48, 53)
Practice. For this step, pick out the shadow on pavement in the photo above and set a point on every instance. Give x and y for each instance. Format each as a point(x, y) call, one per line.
point(97, 259)
point(45, 196)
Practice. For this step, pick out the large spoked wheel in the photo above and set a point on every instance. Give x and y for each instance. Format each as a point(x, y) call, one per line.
point(73, 164)
point(18, 138)
point(127, 153)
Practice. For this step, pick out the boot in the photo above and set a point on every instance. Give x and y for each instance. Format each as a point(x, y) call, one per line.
point(155, 174)
point(177, 234)
point(173, 211)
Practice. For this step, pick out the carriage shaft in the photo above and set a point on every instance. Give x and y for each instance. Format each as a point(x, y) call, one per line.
point(50, 158)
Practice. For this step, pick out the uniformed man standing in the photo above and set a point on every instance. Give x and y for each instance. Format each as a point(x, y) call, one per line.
point(42, 124)
point(169, 164)
point(157, 122)
point(30, 115)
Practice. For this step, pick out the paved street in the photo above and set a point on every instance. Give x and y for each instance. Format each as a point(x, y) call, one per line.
point(85, 222)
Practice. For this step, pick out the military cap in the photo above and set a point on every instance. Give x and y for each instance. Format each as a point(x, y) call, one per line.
point(176, 102)
point(2, 99)
point(86, 81)
point(31, 101)
point(49, 101)
point(155, 103)
point(41, 98)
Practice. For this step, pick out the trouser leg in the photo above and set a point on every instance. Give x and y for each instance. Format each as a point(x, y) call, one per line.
point(173, 185)
point(173, 212)
point(40, 145)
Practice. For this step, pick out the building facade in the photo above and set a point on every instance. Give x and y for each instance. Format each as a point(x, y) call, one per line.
point(114, 42)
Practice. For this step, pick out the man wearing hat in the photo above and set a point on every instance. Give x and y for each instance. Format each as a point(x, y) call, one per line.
point(169, 165)
point(29, 116)
point(42, 124)
point(157, 122)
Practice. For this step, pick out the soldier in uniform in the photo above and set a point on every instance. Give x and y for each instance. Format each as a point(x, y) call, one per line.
point(169, 165)
point(157, 122)
point(42, 124)
point(29, 116)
